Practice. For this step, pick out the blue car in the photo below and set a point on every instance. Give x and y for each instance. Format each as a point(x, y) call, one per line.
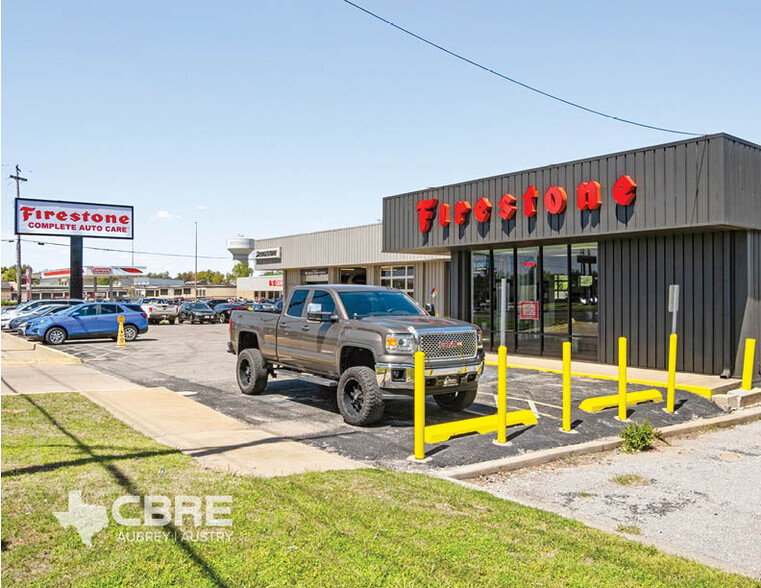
point(88, 321)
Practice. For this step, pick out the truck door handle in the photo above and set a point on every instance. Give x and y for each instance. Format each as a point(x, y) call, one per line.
point(305, 328)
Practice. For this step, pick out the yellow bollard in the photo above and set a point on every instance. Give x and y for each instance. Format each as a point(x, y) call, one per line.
point(672, 374)
point(750, 353)
point(567, 386)
point(419, 405)
point(502, 394)
point(120, 341)
point(622, 379)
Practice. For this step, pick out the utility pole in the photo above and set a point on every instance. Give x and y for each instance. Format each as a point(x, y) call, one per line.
point(195, 290)
point(18, 179)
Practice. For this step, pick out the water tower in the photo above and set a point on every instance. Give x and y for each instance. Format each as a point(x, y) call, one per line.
point(241, 248)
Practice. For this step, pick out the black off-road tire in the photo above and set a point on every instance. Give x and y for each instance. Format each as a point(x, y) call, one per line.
point(454, 401)
point(130, 333)
point(360, 400)
point(180, 320)
point(251, 372)
point(55, 336)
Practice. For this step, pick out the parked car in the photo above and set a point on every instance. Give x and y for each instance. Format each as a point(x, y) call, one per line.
point(214, 303)
point(361, 339)
point(88, 321)
point(196, 312)
point(18, 324)
point(223, 311)
point(11, 313)
point(160, 309)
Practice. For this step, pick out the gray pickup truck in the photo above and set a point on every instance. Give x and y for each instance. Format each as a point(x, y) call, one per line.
point(361, 338)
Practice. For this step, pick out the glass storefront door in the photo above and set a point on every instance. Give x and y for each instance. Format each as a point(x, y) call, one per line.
point(529, 302)
point(555, 298)
point(481, 293)
point(584, 301)
point(504, 268)
point(552, 297)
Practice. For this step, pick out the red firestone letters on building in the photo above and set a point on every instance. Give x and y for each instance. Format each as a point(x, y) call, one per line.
point(555, 199)
point(444, 218)
point(624, 191)
point(461, 211)
point(530, 196)
point(426, 210)
point(482, 211)
point(588, 197)
point(507, 206)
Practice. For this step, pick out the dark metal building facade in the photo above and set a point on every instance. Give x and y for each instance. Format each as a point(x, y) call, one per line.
point(599, 274)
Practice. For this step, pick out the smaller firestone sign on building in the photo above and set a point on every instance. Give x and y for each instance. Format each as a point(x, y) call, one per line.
point(73, 219)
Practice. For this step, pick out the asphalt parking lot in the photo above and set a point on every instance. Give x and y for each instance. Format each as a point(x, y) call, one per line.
point(192, 360)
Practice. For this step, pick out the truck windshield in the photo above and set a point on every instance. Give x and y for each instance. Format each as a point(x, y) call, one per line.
point(378, 303)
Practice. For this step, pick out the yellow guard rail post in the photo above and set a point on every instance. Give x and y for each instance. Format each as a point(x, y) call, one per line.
point(622, 379)
point(502, 394)
point(623, 398)
point(567, 386)
point(750, 354)
point(672, 374)
point(120, 341)
point(419, 405)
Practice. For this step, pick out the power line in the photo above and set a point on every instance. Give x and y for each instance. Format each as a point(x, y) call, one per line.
point(121, 250)
point(518, 82)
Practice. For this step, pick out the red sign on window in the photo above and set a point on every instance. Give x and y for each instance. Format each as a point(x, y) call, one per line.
point(529, 310)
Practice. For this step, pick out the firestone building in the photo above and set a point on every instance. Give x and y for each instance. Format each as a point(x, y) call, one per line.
point(588, 249)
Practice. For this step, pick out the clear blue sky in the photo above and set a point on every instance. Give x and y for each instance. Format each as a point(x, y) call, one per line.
point(268, 118)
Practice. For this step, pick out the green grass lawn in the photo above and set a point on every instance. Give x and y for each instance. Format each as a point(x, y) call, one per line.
point(350, 528)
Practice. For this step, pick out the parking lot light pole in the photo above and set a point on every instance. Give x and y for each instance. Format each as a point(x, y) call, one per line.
point(195, 289)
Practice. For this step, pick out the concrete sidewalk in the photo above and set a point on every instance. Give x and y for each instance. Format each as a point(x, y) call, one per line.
point(217, 441)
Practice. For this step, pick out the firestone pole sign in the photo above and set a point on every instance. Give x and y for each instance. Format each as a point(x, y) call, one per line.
point(73, 219)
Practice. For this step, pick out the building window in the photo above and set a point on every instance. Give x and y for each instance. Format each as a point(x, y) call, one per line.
point(399, 277)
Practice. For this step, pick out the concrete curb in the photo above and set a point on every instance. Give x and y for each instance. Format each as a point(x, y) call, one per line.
point(535, 458)
point(43, 354)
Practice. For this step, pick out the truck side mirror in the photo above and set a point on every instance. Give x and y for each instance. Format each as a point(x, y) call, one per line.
point(321, 317)
point(430, 308)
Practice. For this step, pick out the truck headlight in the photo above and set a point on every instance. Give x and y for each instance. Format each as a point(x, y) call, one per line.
point(399, 343)
point(480, 338)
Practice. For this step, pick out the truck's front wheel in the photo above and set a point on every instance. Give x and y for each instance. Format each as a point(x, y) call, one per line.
point(360, 399)
point(251, 372)
point(456, 400)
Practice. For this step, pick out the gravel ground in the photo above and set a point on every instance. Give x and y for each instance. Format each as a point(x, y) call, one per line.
point(701, 495)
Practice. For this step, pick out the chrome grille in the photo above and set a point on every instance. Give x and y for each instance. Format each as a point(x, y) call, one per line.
point(447, 345)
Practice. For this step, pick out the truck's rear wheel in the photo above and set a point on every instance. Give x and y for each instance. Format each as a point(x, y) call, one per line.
point(360, 400)
point(251, 372)
point(456, 400)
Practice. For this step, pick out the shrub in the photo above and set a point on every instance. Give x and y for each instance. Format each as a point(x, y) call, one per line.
point(639, 436)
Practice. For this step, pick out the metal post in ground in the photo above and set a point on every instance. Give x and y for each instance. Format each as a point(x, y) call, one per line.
point(419, 406)
point(502, 395)
point(750, 353)
point(672, 374)
point(622, 379)
point(567, 386)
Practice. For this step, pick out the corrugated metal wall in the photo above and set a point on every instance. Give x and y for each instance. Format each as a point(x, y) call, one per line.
point(750, 327)
point(347, 247)
point(635, 275)
point(680, 185)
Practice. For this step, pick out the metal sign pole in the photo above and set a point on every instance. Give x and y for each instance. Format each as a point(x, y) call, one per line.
point(502, 312)
point(75, 268)
point(673, 304)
